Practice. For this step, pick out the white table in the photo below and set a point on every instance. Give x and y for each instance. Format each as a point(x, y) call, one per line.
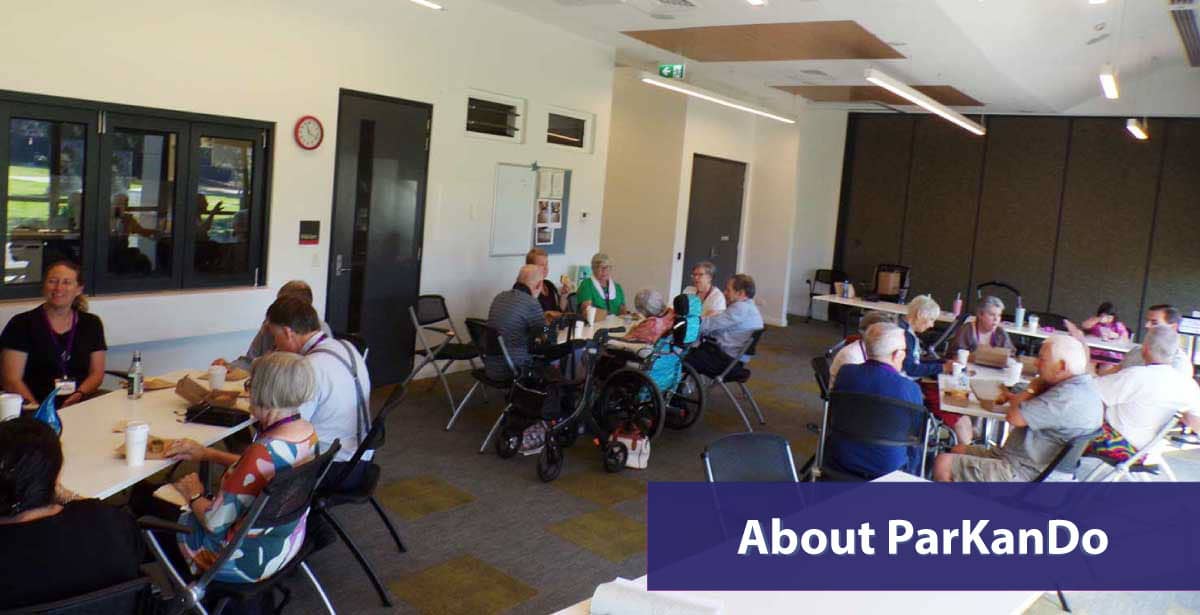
point(91, 466)
point(1092, 342)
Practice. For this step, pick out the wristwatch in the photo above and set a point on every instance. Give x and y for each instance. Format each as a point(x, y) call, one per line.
point(192, 500)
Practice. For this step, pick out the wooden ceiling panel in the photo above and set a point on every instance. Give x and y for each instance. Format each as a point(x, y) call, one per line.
point(769, 42)
point(946, 94)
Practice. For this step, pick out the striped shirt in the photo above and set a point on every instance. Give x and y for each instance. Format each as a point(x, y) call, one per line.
point(513, 313)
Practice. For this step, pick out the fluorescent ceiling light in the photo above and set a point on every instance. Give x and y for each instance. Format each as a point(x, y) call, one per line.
point(890, 84)
point(1137, 129)
point(1108, 82)
point(696, 92)
point(757, 2)
point(429, 5)
point(1097, 1)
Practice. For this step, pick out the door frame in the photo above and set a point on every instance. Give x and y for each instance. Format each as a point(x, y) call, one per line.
point(422, 199)
point(686, 205)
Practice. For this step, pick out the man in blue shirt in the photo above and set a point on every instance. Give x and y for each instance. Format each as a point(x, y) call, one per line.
point(880, 375)
point(726, 333)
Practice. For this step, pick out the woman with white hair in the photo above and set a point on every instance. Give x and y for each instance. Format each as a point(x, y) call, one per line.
point(601, 291)
point(922, 313)
point(984, 329)
point(659, 317)
point(711, 297)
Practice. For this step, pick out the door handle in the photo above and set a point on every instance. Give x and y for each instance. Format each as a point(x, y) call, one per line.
point(338, 269)
point(712, 252)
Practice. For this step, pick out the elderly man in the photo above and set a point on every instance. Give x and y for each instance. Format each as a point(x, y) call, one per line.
point(880, 375)
point(263, 342)
point(1156, 316)
point(854, 352)
point(1059, 406)
point(516, 315)
point(1139, 400)
point(728, 332)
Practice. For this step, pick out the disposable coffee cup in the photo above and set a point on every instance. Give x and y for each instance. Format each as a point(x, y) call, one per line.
point(1033, 322)
point(216, 377)
point(578, 329)
point(591, 315)
point(1019, 318)
point(964, 356)
point(957, 369)
point(10, 406)
point(1012, 373)
point(137, 433)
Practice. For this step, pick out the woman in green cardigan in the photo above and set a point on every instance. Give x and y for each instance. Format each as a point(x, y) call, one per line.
point(601, 291)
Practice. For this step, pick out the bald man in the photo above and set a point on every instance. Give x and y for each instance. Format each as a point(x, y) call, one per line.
point(514, 313)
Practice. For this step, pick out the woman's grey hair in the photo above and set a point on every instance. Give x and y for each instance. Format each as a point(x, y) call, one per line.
point(600, 259)
point(923, 306)
point(872, 318)
point(281, 380)
point(649, 302)
point(709, 269)
point(989, 302)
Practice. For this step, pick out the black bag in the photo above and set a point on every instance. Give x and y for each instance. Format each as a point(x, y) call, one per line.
point(217, 416)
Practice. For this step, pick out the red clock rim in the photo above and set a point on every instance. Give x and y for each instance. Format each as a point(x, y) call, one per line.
point(296, 132)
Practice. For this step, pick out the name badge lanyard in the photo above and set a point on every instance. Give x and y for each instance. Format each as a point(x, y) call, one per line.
point(63, 356)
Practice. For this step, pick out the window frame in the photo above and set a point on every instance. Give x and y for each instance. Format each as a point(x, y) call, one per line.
point(520, 105)
point(589, 128)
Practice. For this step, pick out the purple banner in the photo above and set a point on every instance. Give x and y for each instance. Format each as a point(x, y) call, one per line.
point(915, 536)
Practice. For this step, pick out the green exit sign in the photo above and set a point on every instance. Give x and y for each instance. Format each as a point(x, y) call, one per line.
point(670, 71)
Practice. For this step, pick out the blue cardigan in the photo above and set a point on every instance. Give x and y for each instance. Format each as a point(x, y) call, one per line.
point(869, 460)
point(914, 367)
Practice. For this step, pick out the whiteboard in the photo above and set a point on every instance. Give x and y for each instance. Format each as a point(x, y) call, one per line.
point(512, 212)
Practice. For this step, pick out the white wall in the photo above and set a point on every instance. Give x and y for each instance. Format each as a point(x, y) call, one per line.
point(276, 60)
point(819, 188)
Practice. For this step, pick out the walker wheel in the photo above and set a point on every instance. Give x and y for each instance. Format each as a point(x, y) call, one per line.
point(550, 462)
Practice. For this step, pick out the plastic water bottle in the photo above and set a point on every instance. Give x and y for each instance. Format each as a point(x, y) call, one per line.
point(47, 412)
point(135, 378)
point(957, 304)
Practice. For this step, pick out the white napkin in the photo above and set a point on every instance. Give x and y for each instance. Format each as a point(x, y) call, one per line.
point(625, 597)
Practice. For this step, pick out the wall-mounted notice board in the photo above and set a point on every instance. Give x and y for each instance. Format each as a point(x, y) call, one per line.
point(531, 209)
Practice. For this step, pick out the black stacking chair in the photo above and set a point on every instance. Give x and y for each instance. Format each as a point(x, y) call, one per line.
point(873, 419)
point(487, 343)
point(750, 457)
point(826, 277)
point(737, 372)
point(432, 320)
point(942, 343)
point(820, 367)
point(1010, 296)
point(133, 597)
point(904, 280)
point(356, 340)
point(284, 500)
point(338, 489)
point(573, 302)
point(1064, 465)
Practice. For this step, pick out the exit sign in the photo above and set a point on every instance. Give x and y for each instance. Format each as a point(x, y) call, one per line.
point(670, 71)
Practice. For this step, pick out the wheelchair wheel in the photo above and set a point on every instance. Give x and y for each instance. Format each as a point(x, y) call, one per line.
point(615, 456)
point(508, 442)
point(630, 402)
point(685, 403)
point(550, 462)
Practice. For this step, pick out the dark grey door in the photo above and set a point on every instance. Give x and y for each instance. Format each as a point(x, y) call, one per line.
point(378, 216)
point(714, 216)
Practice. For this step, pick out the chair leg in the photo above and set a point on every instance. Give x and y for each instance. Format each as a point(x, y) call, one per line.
point(736, 405)
point(1062, 601)
point(821, 437)
point(221, 605)
point(362, 560)
point(462, 404)
point(441, 372)
point(388, 522)
point(492, 431)
point(753, 404)
point(312, 578)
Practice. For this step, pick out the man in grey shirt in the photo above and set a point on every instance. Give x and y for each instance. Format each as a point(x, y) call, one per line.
point(514, 313)
point(1061, 405)
point(728, 332)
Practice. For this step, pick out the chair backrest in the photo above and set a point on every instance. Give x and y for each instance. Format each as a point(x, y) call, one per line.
point(875, 419)
point(1066, 461)
point(686, 329)
point(573, 302)
point(750, 457)
point(820, 367)
point(358, 341)
point(130, 597)
point(829, 276)
point(752, 347)
point(488, 341)
point(430, 309)
point(372, 441)
point(944, 339)
point(903, 270)
point(1010, 296)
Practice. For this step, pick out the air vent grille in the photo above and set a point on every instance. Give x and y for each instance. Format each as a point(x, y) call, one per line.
point(1183, 12)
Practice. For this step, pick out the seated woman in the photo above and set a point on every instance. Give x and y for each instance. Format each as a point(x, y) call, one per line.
point(659, 318)
point(57, 345)
point(702, 286)
point(1108, 327)
point(280, 383)
point(601, 292)
point(553, 300)
point(52, 550)
point(984, 329)
point(922, 313)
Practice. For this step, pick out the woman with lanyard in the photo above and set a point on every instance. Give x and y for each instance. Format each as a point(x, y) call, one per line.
point(985, 329)
point(702, 286)
point(57, 345)
point(601, 292)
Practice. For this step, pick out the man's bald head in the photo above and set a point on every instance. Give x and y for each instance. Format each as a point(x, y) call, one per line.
point(531, 277)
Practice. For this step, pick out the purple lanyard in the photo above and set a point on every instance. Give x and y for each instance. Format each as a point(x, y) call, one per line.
point(320, 339)
point(62, 356)
point(283, 421)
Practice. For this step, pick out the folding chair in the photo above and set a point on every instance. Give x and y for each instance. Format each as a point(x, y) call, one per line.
point(1064, 465)
point(820, 367)
point(427, 316)
point(750, 457)
point(1135, 468)
point(874, 420)
point(491, 345)
point(356, 340)
point(1009, 303)
point(826, 277)
point(133, 597)
point(737, 373)
point(285, 499)
point(904, 280)
point(337, 489)
point(942, 343)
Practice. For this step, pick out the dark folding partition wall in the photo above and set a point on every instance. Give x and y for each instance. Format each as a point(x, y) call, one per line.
point(1072, 211)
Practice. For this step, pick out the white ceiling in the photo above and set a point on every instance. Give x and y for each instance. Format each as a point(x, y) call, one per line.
point(1017, 56)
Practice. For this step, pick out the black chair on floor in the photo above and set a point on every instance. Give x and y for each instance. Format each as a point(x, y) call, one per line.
point(344, 486)
point(1003, 291)
point(431, 319)
point(737, 372)
point(750, 457)
point(1065, 464)
point(820, 367)
point(286, 499)
point(826, 277)
point(356, 340)
point(488, 343)
point(493, 346)
point(904, 281)
point(573, 303)
point(942, 344)
point(134, 597)
point(872, 420)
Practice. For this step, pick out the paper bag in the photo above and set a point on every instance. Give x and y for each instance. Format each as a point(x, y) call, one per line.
point(155, 447)
point(992, 357)
point(888, 283)
point(195, 393)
